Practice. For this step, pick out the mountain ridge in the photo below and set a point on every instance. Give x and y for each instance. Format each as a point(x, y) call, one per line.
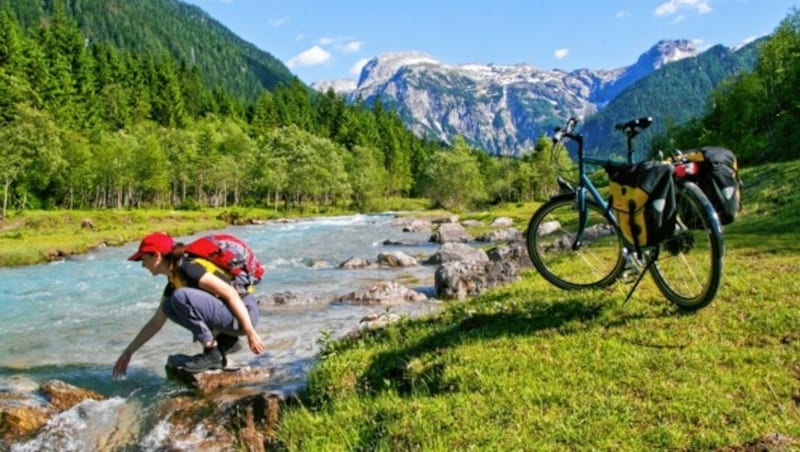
point(500, 108)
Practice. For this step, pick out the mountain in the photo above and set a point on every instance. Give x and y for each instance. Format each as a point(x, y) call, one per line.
point(168, 26)
point(505, 109)
point(673, 94)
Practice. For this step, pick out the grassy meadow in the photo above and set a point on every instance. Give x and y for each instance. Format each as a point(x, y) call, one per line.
point(527, 366)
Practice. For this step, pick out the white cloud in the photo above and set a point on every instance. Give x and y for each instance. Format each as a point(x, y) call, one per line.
point(275, 23)
point(672, 6)
point(622, 13)
point(352, 47)
point(678, 19)
point(561, 53)
point(323, 41)
point(356, 69)
point(310, 57)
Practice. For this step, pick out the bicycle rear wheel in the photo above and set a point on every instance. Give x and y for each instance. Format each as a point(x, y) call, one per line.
point(688, 267)
point(595, 262)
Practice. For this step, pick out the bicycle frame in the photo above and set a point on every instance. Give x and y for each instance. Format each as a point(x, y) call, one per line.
point(631, 129)
point(585, 185)
point(576, 241)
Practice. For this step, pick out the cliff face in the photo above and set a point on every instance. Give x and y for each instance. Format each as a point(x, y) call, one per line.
point(503, 109)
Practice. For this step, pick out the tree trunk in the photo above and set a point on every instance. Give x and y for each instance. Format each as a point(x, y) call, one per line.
point(6, 187)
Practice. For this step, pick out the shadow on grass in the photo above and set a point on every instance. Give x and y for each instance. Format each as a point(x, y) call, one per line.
point(393, 369)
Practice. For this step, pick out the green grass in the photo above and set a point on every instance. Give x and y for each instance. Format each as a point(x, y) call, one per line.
point(529, 367)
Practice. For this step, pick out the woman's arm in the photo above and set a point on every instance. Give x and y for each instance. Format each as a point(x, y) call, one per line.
point(229, 295)
point(149, 330)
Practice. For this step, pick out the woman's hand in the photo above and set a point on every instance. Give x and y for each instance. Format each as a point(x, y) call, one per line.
point(121, 367)
point(256, 345)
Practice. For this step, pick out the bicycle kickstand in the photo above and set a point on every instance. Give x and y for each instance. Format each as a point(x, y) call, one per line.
point(650, 259)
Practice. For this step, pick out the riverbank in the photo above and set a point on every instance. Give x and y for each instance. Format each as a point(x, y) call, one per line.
point(35, 236)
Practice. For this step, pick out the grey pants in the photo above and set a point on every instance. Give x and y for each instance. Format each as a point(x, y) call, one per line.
point(204, 314)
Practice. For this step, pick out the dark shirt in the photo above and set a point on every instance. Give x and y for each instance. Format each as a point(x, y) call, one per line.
point(189, 273)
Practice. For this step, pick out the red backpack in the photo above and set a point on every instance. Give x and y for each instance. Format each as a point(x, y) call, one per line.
point(230, 254)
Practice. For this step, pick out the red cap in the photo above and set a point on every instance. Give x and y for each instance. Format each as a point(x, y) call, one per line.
point(157, 242)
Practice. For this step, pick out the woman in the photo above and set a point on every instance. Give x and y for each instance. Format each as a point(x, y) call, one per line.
point(201, 300)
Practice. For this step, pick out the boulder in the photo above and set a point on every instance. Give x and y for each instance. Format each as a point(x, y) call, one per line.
point(386, 292)
point(450, 232)
point(502, 222)
point(414, 224)
point(287, 298)
point(516, 252)
point(396, 259)
point(63, 396)
point(390, 242)
point(24, 414)
point(357, 262)
point(459, 280)
point(220, 423)
point(502, 235)
point(211, 380)
point(20, 422)
point(456, 251)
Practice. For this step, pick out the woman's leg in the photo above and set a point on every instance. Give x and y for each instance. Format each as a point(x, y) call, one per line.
point(199, 312)
point(206, 316)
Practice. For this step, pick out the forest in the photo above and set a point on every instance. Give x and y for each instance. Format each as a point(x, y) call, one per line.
point(756, 113)
point(88, 125)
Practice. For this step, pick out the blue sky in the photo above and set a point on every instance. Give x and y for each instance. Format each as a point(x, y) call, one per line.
point(332, 39)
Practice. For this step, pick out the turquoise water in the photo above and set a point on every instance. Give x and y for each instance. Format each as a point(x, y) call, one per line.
point(70, 320)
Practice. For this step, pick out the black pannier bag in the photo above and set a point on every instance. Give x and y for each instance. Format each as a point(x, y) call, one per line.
point(718, 177)
point(643, 200)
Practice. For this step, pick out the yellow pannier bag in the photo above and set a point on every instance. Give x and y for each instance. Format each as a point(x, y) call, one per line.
point(643, 200)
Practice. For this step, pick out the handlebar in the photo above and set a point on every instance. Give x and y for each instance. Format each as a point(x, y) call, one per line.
point(633, 127)
point(569, 127)
point(630, 129)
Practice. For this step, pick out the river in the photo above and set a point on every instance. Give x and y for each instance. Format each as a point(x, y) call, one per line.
point(70, 320)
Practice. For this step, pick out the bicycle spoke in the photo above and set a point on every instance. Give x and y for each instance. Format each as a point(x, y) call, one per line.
point(689, 268)
point(551, 237)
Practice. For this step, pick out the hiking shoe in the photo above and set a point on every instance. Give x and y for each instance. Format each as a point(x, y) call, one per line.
point(210, 359)
point(228, 344)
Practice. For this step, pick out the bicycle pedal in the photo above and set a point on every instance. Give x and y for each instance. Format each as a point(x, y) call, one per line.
point(629, 276)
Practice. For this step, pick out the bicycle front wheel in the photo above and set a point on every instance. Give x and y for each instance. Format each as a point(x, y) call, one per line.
point(688, 268)
point(563, 259)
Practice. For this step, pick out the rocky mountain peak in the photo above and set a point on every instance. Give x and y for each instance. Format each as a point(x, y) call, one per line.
point(667, 51)
point(382, 68)
point(501, 108)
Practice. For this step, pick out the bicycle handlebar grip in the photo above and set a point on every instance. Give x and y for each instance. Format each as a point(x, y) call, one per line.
point(571, 123)
point(557, 135)
point(640, 123)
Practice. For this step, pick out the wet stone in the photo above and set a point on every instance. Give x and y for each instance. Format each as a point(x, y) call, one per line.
point(211, 380)
point(23, 414)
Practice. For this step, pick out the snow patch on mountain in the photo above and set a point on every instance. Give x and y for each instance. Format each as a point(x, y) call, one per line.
point(341, 86)
point(501, 108)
